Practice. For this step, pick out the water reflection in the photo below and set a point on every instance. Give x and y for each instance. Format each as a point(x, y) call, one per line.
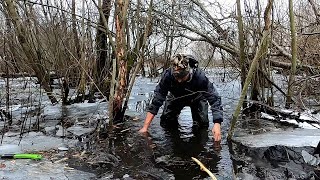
point(174, 152)
point(172, 149)
point(141, 105)
point(186, 145)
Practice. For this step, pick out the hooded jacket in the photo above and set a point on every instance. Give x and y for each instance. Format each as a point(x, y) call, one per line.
point(196, 88)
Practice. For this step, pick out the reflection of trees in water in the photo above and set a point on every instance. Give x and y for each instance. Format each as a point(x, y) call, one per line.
point(177, 148)
point(187, 146)
point(142, 105)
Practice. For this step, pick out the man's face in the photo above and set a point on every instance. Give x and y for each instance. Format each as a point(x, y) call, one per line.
point(180, 68)
point(180, 74)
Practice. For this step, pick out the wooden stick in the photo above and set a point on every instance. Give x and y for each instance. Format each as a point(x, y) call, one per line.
point(203, 168)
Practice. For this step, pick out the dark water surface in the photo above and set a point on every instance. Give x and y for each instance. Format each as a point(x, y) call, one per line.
point(166, 154)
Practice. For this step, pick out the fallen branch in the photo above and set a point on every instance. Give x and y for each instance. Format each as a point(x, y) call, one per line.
point(278, 113)
point(203, 168)
point(61, 160)
point(271, 82)
point(284, 65)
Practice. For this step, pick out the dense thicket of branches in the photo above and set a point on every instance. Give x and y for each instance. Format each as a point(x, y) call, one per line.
point(80, 42)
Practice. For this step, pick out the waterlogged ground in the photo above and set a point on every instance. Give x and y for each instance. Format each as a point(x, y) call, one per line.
point(162, 154)
point(73, 148)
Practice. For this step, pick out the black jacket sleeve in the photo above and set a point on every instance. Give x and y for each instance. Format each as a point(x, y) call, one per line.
point(160, 93)
point(212, 96)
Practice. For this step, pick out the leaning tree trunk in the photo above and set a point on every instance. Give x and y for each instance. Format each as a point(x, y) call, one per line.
point(31, 54)
point(261, 50)
point(294, 54)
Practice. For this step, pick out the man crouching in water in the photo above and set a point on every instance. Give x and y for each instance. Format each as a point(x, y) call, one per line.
point(184, 84)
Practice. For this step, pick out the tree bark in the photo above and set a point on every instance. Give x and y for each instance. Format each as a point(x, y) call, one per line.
point(121, 57)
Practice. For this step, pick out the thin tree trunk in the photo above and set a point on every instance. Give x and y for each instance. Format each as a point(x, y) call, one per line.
point(169, 38)
point(7, 115)
point(241, 43)
point(255, 82)
point(74, 29)
point(294, 54)
point(172, 31)
point(138, 46)
point(103, 65)
point(83, 64)
point(111, 95)
point(261, 50)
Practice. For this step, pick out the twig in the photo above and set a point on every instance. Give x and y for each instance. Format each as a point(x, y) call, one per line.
point(128, 129)
point(203, 168)
point(61, 160)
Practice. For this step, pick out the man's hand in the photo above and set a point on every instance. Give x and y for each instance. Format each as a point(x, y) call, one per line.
point(216, 132)
point(147, 123)
point(143, 130)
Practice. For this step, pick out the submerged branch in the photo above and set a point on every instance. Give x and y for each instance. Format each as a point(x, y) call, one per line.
point(203, 168)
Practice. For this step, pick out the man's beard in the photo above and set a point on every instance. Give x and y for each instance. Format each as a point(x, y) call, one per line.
point(180, 74)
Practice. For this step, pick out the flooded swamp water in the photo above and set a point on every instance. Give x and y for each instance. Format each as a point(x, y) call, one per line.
point(69, 136)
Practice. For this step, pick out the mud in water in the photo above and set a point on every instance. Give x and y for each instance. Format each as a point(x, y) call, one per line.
point(166, 154)
point(162, 155)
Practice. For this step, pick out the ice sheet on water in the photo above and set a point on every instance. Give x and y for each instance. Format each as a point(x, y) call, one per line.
point(29, 170)
point(79, 130)
point(307, 115)
point(36, 141)
point(10, 149)
point(292, 138)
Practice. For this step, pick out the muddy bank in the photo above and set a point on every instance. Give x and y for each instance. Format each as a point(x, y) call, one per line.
point(274, 162)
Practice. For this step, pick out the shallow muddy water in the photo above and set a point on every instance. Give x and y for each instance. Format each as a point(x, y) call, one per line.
point(163, 153)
